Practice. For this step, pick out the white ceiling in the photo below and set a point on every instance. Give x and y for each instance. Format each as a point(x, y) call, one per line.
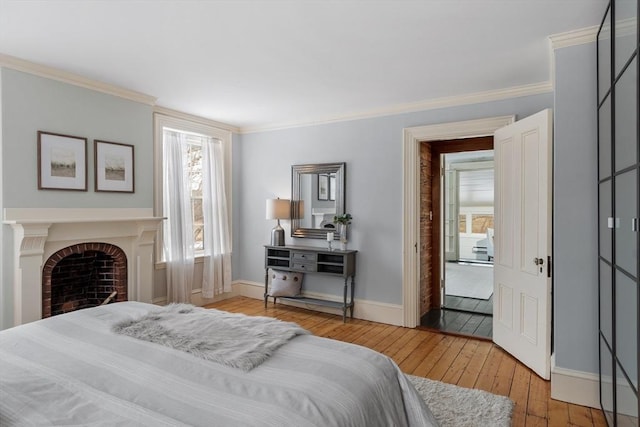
point(257, 64)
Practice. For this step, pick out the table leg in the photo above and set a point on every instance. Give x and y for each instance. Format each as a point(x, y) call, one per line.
point(353, 282)
point(344, 301)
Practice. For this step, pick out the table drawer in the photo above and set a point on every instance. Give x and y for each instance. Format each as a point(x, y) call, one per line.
point(303, 257)
point(301, 266)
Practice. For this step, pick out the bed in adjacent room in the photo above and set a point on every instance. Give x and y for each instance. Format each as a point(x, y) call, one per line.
point(74, 369)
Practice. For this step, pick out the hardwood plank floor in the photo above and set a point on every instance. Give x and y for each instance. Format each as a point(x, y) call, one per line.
point(469, 304)
point(466, 362)
point(459, 322)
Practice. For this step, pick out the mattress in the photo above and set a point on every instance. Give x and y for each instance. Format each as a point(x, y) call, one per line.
point(71, 369)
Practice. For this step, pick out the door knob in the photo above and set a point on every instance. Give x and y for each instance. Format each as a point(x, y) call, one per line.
point(538, 261)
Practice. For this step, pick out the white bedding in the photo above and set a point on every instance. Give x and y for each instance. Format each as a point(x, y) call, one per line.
point(72, 370)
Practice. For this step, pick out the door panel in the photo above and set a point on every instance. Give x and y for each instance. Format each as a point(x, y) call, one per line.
point(529, 318)
point(530, 198)
point(504, 313)
point(505, 202)
point(523, 240)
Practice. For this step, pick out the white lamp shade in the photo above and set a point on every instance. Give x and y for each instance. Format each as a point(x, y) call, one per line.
point(278, 209)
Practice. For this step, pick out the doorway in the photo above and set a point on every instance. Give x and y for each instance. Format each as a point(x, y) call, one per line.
point(468, 230)
point(456, 233)
point(522, 305)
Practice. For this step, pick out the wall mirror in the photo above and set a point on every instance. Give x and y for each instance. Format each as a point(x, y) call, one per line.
point(317, 194)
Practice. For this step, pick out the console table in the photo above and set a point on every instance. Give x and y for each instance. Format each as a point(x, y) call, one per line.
point(306, 259)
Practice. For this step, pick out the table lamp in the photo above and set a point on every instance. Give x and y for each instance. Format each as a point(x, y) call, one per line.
point(278, 209)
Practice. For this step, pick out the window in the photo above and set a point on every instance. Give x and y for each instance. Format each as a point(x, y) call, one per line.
point(462, 223)
point(480, 223)
point(194, 152)
point(194, 135)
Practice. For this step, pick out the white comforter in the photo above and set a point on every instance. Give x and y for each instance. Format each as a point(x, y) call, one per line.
point(72, 370)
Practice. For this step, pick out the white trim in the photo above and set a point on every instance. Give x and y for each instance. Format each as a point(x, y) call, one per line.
point(73, 79)
point(574, 37)
point(411, 197)
point(583, 388)
point(390, 314)
point(196, 296)
point(445, 102)
point(198, 300)
point(193, 119)
point(580, 388)
point(62, 215)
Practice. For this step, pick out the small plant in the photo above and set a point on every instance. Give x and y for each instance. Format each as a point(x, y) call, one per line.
point(342, 219)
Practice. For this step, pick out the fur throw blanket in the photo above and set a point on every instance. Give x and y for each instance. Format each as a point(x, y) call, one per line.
point(231, 339)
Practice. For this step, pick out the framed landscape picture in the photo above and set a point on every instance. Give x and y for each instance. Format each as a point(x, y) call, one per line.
point(323, 187)
point(62, 162)
point(114, 167)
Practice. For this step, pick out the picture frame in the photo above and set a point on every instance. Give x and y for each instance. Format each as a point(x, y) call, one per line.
point(62, 162)
point(323, 187)
point(114, 167)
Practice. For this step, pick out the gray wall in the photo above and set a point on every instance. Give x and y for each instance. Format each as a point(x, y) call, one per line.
point(372, 149)
point(575, 210)
point(31, 103)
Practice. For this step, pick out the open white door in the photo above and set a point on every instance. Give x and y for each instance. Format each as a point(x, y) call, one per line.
point(522, 283)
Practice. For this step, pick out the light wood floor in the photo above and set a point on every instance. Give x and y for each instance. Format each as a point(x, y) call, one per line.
point(463, 361)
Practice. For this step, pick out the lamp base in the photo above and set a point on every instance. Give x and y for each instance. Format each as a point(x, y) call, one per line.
point(277, 236)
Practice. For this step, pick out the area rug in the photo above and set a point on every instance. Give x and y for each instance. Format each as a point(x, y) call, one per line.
point(469, 281)
point(455, 406)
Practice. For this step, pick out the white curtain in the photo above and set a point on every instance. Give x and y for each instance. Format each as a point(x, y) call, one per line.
point(216, 277)
point(178, 227)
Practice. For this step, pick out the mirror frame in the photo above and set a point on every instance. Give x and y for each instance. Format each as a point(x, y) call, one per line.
point(340, 170)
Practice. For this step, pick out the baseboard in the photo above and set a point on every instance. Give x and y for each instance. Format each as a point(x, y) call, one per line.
point(373, 311)
point(391, 314)
point(198, 300)
point(581, 388)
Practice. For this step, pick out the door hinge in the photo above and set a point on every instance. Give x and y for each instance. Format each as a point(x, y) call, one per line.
point(548, 266)
point(430, 215)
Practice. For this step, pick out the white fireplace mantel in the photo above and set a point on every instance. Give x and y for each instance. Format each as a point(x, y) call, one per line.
point(39, 233)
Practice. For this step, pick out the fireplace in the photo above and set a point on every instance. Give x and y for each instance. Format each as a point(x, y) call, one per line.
point(43, 237)
point(83, 275)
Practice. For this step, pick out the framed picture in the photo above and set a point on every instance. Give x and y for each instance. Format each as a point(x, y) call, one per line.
point(114, 167)
point(62, 162)
point(323, 187)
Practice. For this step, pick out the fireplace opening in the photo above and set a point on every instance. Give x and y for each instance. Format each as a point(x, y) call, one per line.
point(82, 276)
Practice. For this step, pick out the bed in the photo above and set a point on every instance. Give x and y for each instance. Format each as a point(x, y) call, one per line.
point(72, 369)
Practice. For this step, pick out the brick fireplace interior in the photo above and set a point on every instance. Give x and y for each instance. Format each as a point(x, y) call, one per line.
point(81, 276)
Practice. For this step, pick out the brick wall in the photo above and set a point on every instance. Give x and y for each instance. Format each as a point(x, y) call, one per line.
point(82, 276)
point(426, 228)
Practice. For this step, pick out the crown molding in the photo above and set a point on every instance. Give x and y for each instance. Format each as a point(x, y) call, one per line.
point(574, 38)
point(195, 119)
point(18, 64)
point(445, 102)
